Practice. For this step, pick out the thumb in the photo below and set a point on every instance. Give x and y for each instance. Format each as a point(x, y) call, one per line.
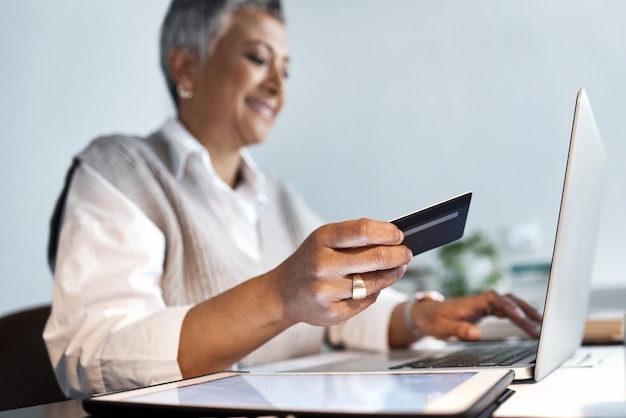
point(468, 331)
point(455, 328)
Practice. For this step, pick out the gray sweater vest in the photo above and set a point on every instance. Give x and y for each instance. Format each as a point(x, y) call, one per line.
point(200, 259)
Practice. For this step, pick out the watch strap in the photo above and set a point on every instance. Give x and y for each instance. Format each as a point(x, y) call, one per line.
point(408, 307)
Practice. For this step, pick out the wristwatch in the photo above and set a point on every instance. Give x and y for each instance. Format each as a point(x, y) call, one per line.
point(420, 296)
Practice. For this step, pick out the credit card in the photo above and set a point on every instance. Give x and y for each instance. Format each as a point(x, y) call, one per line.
point(435, 225)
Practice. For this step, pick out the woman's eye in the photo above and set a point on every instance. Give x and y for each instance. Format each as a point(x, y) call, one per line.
point(256, 59)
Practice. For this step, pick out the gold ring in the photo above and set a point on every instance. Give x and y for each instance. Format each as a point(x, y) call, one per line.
point(358, 287)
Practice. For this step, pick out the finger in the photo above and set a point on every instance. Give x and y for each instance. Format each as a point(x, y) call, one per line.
point(360, 233)
point(530, 311)
point(463, 330)
point(507, 308)
point(375, 282)
point(373, 258)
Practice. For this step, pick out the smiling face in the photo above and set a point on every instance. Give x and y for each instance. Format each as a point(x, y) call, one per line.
point(240, 89)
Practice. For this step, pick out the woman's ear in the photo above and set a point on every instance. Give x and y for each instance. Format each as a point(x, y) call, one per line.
point(183, 68)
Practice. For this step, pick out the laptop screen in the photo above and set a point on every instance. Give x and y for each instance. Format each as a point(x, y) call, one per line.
point(567, 298)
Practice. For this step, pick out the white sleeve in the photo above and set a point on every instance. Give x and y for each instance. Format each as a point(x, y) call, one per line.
point(369, 330)
point(109, 328)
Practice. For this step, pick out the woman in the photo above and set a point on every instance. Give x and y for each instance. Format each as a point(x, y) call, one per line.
point(176, 256)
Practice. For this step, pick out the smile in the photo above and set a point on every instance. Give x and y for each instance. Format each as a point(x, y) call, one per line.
point(262, 108)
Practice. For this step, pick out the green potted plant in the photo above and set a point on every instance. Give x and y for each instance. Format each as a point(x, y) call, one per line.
point(469, 266)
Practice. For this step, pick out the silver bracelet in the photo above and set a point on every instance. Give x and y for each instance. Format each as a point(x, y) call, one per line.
point(418, 297)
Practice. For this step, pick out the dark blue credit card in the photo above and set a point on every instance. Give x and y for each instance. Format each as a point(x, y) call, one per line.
point(435, 225)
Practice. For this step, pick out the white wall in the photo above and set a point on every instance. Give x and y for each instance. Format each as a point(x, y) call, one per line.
point(393, 105)
point(71, 70)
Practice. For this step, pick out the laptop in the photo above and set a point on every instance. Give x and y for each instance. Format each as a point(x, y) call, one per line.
point(569, 283)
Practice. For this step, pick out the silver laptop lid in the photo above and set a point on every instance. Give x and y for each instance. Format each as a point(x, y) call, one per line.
point(567, 298)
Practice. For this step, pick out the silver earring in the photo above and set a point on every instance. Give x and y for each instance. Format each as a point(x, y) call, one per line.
point(183, 92)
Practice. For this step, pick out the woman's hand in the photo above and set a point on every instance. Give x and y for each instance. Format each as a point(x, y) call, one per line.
point(458, 317)
point(316, 281)
point(313, 285)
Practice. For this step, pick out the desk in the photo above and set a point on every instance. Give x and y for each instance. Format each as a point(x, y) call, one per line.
point(591, 384)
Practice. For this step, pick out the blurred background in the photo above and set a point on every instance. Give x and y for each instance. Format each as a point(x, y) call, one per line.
point(392, 106)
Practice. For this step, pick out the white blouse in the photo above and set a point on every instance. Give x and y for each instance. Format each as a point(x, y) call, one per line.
point(110, 328)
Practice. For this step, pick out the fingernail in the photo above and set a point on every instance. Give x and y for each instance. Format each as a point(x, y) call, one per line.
point(473, 333)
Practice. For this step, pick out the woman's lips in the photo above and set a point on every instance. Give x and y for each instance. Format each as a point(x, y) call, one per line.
point(265, 110)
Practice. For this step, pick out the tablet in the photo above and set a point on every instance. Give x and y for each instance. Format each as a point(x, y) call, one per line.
point(417, 393)
point(435, 225)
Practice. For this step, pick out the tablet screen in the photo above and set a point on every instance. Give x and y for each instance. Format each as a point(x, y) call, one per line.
point(339, 392)
point(342, 394)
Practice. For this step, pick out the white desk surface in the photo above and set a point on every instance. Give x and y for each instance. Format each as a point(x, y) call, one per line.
point(590, 384)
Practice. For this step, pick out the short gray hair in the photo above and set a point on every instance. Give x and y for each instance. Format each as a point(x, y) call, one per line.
point(194, 25)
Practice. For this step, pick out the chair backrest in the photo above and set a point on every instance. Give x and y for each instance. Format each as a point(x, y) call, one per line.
point(26, 375)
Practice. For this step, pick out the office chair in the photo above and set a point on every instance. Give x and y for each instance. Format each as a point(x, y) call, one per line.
point(26, 375)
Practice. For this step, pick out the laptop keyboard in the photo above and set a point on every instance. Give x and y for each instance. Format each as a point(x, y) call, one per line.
point(473, 357)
